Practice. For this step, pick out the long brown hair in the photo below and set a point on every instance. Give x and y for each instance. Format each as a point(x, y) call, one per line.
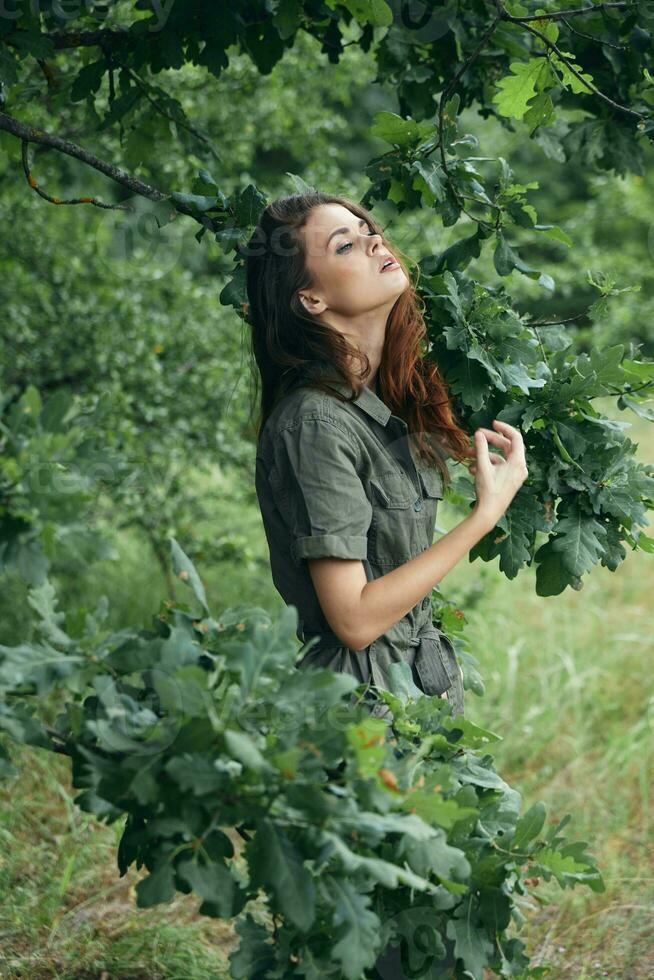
point(286, 339)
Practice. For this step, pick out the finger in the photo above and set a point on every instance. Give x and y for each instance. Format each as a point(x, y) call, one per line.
point(498, 438)
point(481, 447)
point(508, 430)
point(495, 460)
point(517, 451)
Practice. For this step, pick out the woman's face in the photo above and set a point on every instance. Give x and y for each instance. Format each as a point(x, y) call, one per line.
point(344, 260)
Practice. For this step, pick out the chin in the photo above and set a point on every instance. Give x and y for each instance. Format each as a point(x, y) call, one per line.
point(403, 287)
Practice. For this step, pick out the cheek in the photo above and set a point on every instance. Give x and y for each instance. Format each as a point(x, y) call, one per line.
point(358, 290)
point(360, 276)
point(347, 283)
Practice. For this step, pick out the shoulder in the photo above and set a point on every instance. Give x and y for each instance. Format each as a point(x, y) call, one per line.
point(308, 408)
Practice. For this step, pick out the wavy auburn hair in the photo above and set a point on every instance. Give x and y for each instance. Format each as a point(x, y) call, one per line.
point(286, 340)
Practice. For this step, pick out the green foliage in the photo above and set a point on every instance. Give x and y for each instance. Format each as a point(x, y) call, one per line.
point(122, 307)
point(355, 830)
point(361, 839)
point(586, 495)
point(48, 475)
point(585, 489)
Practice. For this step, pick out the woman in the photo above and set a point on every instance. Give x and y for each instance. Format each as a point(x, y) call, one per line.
point(353, 430)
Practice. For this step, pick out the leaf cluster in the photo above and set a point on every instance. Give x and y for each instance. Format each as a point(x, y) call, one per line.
point(363, 840)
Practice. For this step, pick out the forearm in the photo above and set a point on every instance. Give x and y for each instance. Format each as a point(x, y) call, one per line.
point(385, 600)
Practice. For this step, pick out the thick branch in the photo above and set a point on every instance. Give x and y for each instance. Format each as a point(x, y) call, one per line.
point(32, 135)
point(29, 134)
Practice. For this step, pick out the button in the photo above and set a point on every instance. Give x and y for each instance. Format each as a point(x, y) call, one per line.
point(418, 504)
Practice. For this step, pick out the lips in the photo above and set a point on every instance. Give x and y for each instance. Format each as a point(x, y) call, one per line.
point(393, 265)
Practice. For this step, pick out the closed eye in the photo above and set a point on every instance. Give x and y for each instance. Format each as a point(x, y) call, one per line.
point(349, 244)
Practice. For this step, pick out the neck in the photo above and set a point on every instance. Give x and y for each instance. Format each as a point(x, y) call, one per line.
point(366, 332)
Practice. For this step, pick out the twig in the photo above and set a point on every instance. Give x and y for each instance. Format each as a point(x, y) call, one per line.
point(559, 14)
point(143, 85)
point(589, 85)
point(622, 391)
point(555, 323)
point(445, 95)
point(50, 77)
point(593, 37)
point(58, 200)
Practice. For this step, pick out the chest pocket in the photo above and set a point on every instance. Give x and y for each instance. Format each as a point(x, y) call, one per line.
point(403, 519)
point(431, 482)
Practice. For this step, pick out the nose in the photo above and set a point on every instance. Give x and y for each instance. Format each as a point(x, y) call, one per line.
point(375, 240)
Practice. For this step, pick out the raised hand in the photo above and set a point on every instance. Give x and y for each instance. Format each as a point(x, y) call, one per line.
point(498, 477)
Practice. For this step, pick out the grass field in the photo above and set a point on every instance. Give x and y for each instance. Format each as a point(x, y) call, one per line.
point(569, 687)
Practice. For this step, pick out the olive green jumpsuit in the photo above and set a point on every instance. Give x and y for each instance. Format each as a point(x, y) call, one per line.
point(342, 480)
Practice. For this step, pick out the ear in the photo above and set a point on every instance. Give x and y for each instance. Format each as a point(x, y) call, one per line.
point(311, 302)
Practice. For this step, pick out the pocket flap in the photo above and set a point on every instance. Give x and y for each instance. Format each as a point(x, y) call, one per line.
point(393, 489)
point(432, 482)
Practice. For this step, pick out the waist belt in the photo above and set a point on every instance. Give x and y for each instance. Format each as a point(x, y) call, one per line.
point(327, 637)
point(434, 660)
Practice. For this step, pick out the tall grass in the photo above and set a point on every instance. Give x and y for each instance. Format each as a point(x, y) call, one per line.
point(570, 689)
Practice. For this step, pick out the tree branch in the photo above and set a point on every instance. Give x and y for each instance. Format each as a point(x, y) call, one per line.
point(555, 323)
point(32, 135)
point(589, 85)
point(57, 200)
point(84, 39)
point(559, 14)
point(29, 134)
point(488, 33)
point(185, 124)
point(593, 37)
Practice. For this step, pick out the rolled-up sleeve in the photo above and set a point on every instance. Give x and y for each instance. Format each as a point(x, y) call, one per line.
point(321, 496)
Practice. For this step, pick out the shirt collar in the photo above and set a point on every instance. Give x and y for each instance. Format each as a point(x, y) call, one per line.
point(367, 400)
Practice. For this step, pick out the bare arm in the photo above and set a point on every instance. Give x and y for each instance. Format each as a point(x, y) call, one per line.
point(359, 611)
